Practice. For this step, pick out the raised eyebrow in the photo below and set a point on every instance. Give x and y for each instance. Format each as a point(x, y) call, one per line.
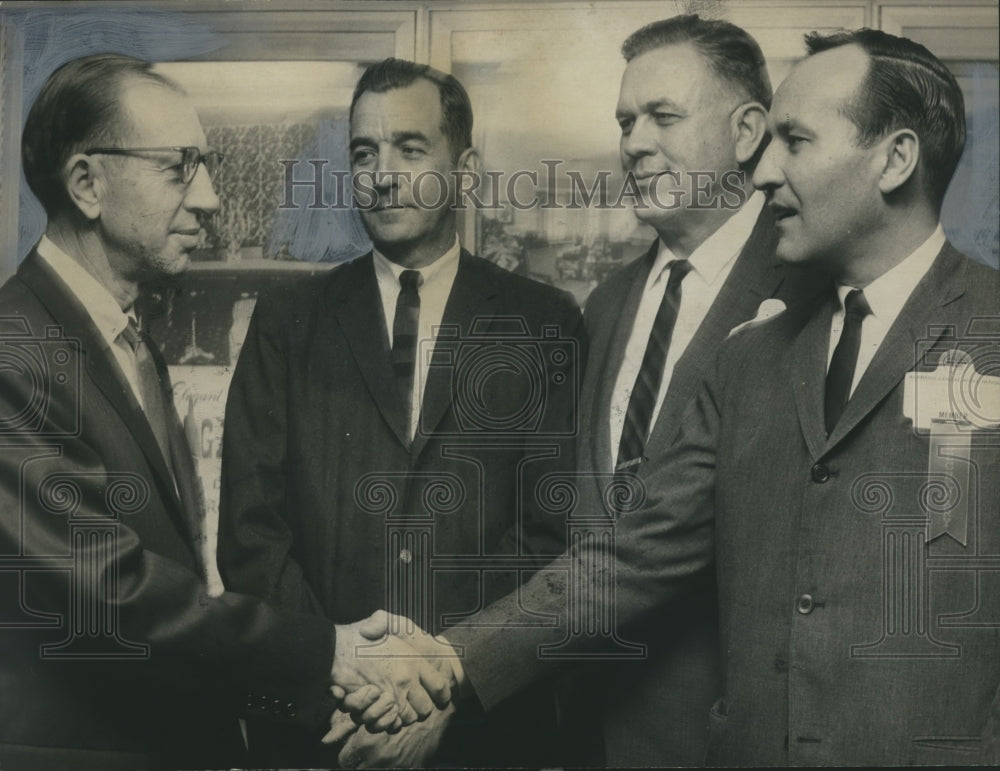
point(649, 107)
point(399, 137)
point(782, 127)
point(357, 142)
point(787, 125)
point(659, 104)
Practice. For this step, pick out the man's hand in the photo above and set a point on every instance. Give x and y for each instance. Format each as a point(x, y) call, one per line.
point(437, 650)
point(405, 686)
point(411, 747)
point(370, 707)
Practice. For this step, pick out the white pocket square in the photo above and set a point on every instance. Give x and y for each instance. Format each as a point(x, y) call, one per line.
point(767, 310)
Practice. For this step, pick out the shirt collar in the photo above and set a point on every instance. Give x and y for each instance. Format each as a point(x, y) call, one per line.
point(387, 270)
point(99, 303)
point(887, 294)
point(720, 248)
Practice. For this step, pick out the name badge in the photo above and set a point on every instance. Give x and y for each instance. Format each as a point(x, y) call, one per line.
point(949, 404)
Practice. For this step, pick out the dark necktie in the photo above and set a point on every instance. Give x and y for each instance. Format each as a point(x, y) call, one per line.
point(154, 401)
point(647, 382)
point(845, 358)
point(404, 336)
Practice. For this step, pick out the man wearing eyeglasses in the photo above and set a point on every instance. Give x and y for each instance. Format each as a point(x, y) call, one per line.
point(113, 653)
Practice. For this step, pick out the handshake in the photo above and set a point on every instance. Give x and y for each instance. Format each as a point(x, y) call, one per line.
point(397, 681)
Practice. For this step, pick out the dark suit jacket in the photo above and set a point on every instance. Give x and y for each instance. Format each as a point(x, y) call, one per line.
point(655, 712)
point(98, 551)
point(847, 638)
point(328, 507)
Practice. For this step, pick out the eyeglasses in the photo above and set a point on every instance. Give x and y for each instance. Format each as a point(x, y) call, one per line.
point(191, 157)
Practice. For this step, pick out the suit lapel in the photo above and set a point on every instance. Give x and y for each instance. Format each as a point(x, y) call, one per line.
point(188, 482)
point(754, 278)
point(807, 355)
point(357, 306)
point(474, 295)
point(920, 321)
point(101, 365)
point(608, 350)
point(103, 370)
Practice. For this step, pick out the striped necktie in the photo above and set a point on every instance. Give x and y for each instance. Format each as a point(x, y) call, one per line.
point(647, 383)
point(154, 402)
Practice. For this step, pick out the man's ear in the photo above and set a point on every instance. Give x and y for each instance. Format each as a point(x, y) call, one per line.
point(84, 184)
point(749, 125)
point(469, 161)
point(901, 158)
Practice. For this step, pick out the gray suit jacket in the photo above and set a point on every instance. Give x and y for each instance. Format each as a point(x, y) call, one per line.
point(655, 711)
point(847, 638)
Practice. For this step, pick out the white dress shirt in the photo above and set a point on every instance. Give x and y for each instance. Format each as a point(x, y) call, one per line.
point(886, 297)
point(711, 264)
point(438, 278)
point(100, 305)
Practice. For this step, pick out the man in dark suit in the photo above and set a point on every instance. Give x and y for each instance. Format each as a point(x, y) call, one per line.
point(114, 654)
point(840, 464)
point(692, 111)
point(387, 424)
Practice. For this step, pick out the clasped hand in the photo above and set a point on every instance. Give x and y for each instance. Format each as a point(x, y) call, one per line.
point(388, 673)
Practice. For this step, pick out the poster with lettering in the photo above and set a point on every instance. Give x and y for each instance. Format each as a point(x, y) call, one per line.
point(200, 400)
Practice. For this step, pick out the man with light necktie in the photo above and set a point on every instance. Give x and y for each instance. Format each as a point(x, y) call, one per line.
point(115, 653)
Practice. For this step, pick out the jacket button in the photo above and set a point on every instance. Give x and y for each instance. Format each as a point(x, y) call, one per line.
point(405, 556)
point(820, 473)
point(291, 710)
point(805, 604)
point(262, 703)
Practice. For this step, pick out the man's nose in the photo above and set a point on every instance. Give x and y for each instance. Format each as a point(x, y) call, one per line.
point(639, 141)
point(768, 175)
point(386, 171)
point(201, 195)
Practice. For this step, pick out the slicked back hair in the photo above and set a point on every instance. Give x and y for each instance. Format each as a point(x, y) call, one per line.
point(906, 86)
point(456, 108)
point(78, 107)
point(730, 51)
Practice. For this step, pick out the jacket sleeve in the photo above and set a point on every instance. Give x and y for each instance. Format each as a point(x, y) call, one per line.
point(657, 550)
point(256, 543)
point(70, 524)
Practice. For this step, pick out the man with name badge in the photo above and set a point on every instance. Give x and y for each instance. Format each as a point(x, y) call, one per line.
point(848, 501)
